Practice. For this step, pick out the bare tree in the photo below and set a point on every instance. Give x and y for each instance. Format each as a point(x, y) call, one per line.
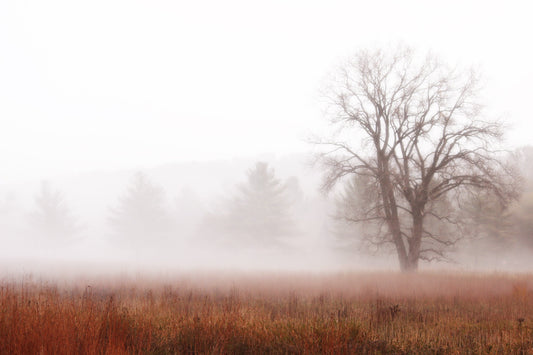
point(412, 127)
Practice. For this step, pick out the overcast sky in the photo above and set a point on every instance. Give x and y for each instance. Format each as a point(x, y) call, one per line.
point(88, 85)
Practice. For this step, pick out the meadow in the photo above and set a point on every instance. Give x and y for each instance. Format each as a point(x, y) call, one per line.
point(269, 313)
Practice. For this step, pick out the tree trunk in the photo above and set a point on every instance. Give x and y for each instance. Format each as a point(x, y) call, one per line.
point(416, 241)
point(411, 266)
point(393, 220)
point(394, 228)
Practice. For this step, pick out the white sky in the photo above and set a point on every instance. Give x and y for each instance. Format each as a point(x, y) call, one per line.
point(107, 84)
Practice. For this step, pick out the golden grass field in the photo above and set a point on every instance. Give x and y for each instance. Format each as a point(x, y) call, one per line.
point(270, 313)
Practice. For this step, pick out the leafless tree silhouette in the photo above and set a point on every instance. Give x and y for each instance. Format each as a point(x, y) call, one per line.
point(413, 129)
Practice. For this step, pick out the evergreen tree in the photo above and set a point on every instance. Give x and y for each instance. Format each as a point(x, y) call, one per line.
point(52, 217)
point(260, 213)
point(140, 216)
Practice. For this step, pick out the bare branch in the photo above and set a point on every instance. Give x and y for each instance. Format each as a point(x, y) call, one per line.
point(413, 131)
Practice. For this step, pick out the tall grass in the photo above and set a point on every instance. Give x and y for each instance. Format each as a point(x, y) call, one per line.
point(270, 314)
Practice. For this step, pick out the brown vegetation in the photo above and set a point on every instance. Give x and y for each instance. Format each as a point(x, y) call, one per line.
point(274, 313)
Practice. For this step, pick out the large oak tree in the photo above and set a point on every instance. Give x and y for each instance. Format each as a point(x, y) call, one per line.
point(414, 130)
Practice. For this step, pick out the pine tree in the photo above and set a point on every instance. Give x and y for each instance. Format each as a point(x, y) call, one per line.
point(140, 216)
point(260, 213)
point(52, 217)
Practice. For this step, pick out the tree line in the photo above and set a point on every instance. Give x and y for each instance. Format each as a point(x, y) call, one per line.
point(259, 212)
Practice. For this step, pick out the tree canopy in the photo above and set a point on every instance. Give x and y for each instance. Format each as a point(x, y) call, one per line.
point(414, 129)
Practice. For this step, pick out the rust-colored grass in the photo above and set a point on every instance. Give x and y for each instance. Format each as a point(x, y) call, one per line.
point(349, 313)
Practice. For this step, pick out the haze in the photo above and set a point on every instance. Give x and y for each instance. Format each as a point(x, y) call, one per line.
point(193, 95)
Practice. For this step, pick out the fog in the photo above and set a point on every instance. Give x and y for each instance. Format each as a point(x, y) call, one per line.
point(194, 198)
point(195, 227)
point(157, 137)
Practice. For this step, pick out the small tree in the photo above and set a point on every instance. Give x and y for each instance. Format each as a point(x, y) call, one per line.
point(522, 220)
point(140, 217)
point(413, 128)
point(52, 217)
point(260, 212)
point(351, 204)
point(490, 220)
point(520, 217)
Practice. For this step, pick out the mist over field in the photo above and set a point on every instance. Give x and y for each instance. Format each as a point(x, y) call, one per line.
point(195, 230)
point(164, 137)
point(63, 226)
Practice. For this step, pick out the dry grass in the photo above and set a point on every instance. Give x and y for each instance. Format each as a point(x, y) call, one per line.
point(271, 313)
